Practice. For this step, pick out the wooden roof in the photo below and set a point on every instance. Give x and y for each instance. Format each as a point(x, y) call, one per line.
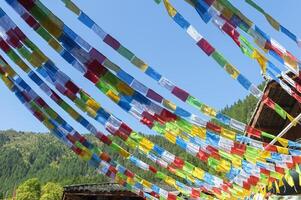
point(102, 191)
point(269, 121)
point(98, 191)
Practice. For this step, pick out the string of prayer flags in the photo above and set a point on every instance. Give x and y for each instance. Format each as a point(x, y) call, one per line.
point(267, 67)
point(66, 133)
point(274, 23)
point(99, 135)
point(261, 38)
point(80, 119)
point(239, 164)
point(210, 51)
point(85, 97)
point(163, 81)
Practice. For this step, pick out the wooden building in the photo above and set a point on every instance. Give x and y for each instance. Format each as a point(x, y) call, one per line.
point(269, 121)
point(105, 191)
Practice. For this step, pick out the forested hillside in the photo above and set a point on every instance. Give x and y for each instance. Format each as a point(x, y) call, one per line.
point(30, 155)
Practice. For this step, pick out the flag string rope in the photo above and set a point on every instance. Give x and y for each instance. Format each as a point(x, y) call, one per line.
point(267, 67)
point(274, 23)
point(67, 135)
point(152, 73)
point(233, 16)
point(229, 68)
point(103, 138)
point(138, 163)
point(198, 171)
point(75, 115)
point(261, 38)
point(52, 74)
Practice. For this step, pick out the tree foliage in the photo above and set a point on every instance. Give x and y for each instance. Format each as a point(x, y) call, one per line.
point(51, 191)
point(29, 190)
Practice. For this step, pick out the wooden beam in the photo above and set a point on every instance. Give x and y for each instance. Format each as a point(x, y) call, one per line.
point(285, 130)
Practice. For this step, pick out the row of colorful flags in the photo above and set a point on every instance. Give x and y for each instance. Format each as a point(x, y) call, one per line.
point(240, 163)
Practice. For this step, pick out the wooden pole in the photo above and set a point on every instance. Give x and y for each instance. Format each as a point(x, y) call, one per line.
point(285, 130)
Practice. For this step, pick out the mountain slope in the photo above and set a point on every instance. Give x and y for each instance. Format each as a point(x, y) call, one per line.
point(28, 155)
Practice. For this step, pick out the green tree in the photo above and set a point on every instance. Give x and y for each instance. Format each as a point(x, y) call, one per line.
point(29, 190)
point(51, 191)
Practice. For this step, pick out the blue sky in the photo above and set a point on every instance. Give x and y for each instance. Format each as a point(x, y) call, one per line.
point(145, 28)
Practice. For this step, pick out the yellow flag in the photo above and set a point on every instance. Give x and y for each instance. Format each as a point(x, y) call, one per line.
point(292, 119)
point(124, 153)
point(283, 142)
point(7, 82)
point(228, 133)
point(146, 144)
point(190, 178)
point(227, 13)
point(48, 124)
point(273, 22)
point(10, 71)
point(232, 70)
point(236, 161)
point(93, 104)
point(208, 110)
point(262, 61)
point(171, 10)
point(139, 63)
point(73, 113)
point(91, 112)
point(170, 181)
point(282, 150)
point(223, 166)
point(265, 154)
point(263, 190)
point(198, 173)
point(270, 186)
point(169, 105)
point(281, 183)
point(125, 89)
point(199, 131)
point(143, 149)
point(130, 180)
point(113, 96)
point(147, 184)
point(277, 187)
point(55, 45)
point(73, 7)
point(170, 137)
point(87, 155)
point(23, 66)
